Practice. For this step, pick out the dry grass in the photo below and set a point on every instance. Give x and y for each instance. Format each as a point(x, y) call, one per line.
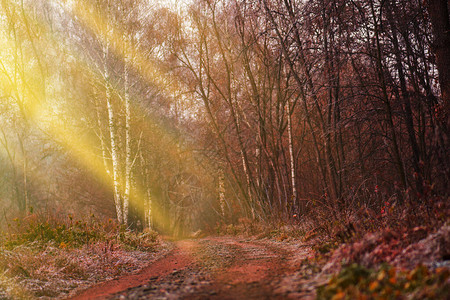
point(30, 271)
point(52, 257)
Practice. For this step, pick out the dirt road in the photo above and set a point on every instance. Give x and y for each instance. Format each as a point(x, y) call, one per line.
point(215, 268)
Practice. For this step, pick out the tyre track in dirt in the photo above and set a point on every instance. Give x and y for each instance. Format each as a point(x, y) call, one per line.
point(249, 271)
point(177, 259)
point(208, 268)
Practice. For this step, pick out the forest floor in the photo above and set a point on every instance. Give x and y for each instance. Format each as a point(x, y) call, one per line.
point(218, 268)
point(410, 263)
point(234, 267)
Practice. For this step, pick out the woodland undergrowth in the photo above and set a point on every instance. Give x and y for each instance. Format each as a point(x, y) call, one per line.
point(49, 256)
point(396, 248)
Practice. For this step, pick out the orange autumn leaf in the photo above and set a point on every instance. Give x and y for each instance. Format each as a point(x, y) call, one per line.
point(339, 296)
point(393, 280)
point(373, 286)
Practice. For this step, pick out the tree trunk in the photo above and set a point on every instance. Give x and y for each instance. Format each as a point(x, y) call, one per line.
point(222, 192)
point(128, 162)
point(405, 96)
point(439, 16)
point(148, 200)
point(25, 205)
point(102, 138)
point(302, 92)
point(291, 156)
point(389, 115)
point(112, 131)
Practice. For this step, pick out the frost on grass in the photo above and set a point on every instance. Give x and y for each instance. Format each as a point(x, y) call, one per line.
point(30, 271)
point(393, 247)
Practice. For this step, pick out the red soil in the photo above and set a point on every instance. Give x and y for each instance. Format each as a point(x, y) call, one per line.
point(245, 270)
point(179, 258)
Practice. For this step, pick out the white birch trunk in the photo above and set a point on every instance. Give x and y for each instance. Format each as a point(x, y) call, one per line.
point(112, 130)
point(291, 155)
point(114, 156)
point(126, 198)
point(148, 212)
point(102, 140)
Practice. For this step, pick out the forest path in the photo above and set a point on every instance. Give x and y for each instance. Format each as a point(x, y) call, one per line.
point(211, 268)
